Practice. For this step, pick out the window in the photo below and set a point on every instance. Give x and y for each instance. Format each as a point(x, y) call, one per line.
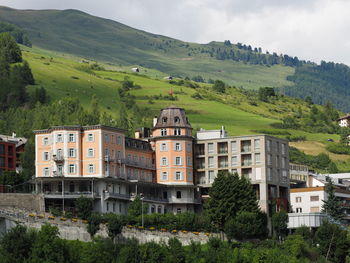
point(257, 158)
point(90, 137)
point(46, 141)
point(59, 169)
point(178, 211)
point(268, 146)
point(107, 206)
point(91, 169)
point(164, 120)
point(177, 131)
point(164, 176)
point(189, 176)
point(71, 168)
point(177, 146)
point(178, 161)
point(119, 140)
point(59, 153)
point(163, 147)
point(234, 160)
point(46, 156)
point(210, 162)
point(277, 162)
point(257, 144)
point(269, 174)
point(233, 146)
point(178, 194)
point(177, 120)
point(283, 148)
point(178, 176)
point(71, 152)
point(314, 198)
point(299, 210)
point(164, 161)
point(211, 176)
point(159, 210)
point(90, 152)
point(284, 162)
point(163, 132)
point(46, 171)
point(210, 148)
point(189, 160)
point(189, 147)
point(59, 137)
point(314, 209)
point(113, 207)
point(298, 199)
point(71, 137)
point(106, 136)
point(269, 159)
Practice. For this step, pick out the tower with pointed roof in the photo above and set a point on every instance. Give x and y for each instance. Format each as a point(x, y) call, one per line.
point(173, 145)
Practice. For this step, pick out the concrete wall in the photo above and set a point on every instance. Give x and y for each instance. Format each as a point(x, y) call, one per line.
point(30, 202)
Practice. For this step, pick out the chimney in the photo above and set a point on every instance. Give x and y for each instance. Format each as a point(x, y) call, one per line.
point(155, 119)
point(13, 135)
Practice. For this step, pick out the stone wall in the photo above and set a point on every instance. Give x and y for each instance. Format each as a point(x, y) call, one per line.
point(30, 202)
point(77, 231)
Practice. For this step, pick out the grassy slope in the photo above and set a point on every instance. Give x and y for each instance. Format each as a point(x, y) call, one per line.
point(75, 32)
point(54, 71)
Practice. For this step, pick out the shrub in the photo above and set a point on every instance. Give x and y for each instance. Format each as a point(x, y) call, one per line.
point(84, 205)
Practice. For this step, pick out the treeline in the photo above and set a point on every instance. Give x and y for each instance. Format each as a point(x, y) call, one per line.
point(325, 82)
point(17, 33)
point(22, 245)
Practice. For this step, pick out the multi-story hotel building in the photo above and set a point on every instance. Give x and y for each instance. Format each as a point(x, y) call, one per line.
point(261, 158)
point(170, 168)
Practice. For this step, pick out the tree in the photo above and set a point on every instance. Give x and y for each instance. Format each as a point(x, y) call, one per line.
point(279, 224)
point(16, 244)
point(265, 93)
point(332, 205)
point(9, 48)
point(332, 242)
point(84, 206)
point(246, 225)
point(93, 225)
point(115, 226)
point(135, 207)
point(176, 253)
point(230, 195)
point(27, 74)
point(219, 86)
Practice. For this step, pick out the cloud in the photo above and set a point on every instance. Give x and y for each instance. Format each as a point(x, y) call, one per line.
point(312, 30)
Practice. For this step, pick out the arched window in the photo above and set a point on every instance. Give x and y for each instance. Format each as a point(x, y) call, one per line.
point(153, 209)
point(177, 120)
point(159, 209)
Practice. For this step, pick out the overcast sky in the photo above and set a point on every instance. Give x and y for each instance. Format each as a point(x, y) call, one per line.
point(310, 29)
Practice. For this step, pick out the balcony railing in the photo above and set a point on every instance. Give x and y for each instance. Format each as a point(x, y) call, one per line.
point(140, 165)
point(58, 158)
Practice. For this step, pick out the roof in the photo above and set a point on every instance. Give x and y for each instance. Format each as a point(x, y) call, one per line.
point(172, 117)
point(13, 139)
point(344, 117)
point(80, 128)
point(307, 189)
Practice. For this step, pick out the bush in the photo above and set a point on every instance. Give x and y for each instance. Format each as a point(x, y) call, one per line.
point(55, 212)
point(296, 138)
point(338, 148)
point(94, 222)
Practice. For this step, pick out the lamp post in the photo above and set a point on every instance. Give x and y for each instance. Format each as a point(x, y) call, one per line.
point(141, 197)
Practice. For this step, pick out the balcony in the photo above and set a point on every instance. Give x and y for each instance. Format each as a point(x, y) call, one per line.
point(70, 195)
point(57, 174)
point(58, 158)
point(185, 200)
point(109, 195)
point(139, 165)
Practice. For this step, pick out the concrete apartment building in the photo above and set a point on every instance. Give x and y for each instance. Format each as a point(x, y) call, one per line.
point(170, 168)
point(261, 158)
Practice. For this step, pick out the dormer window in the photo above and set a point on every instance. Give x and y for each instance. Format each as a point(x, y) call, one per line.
point(177, 120)
point(165, 120)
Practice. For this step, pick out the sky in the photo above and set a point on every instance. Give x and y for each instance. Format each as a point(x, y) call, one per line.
point(310, 29)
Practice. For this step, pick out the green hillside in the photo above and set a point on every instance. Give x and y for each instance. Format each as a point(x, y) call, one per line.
point(77, 33)
point(238, 110)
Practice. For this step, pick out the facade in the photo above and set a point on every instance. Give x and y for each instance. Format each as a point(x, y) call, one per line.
point(298, 175)
point(169, 168)
point(261, 158)
point(10, 149)
point(310, 199)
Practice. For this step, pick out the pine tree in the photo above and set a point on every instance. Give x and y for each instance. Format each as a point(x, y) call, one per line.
point(331, 206)
point(230, 195)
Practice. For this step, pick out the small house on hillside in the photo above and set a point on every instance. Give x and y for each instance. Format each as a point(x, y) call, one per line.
point(344, 121)
point(137, 70)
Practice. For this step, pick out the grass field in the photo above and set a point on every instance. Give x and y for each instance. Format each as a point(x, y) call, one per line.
point(61, 76)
